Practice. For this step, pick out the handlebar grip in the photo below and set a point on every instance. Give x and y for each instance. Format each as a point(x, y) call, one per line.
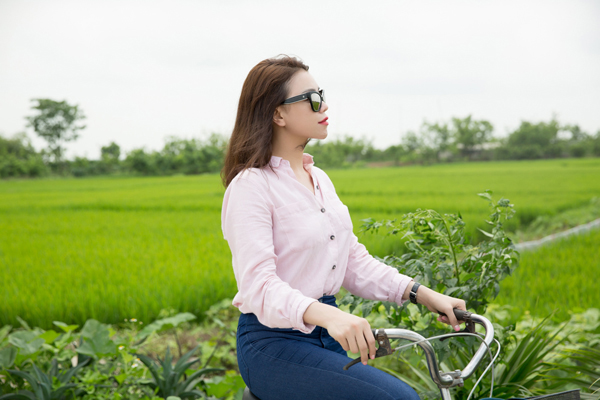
point(460, 315)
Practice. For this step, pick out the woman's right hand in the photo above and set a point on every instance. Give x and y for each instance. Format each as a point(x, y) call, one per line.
point(351, 332)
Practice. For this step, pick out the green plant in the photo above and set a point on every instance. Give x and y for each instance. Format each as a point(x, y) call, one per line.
point(53, 385)
point(439, 256)
point(580, 367)
point(168, 380)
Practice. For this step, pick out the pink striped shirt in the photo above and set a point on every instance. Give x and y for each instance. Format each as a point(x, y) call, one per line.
point(289, 246)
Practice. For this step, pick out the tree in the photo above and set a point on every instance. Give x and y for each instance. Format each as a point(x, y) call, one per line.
point(531, 141)
point(440, 138)
point(109, 158)
point(110, 153)
point(19, 158)
point(56, 122)
point(470, 133)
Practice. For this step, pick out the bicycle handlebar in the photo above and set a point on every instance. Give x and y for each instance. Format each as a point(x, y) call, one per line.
point(449, 379)
point(443, 380)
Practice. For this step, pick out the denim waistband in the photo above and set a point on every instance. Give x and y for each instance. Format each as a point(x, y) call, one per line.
point(329, 300)
point(249, 322)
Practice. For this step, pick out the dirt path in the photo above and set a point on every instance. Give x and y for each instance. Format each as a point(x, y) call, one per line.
point(534, 244)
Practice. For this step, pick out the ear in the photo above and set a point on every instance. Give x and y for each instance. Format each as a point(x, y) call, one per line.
point(278, 117)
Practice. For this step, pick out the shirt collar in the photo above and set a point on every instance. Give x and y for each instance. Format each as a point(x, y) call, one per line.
point(307, 160)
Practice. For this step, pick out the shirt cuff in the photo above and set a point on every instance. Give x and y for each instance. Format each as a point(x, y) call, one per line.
point(298, 322)
point(400, 282)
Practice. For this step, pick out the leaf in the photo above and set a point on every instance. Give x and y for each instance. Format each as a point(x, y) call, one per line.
point(4, 331)
point(24, 375)
point(23, 395)
point(7, 357)
point(222, 387)
point(66, 328)
point(23, 323)
point(49, 336)
point(164, 324)
point(486, 195)
point(486, 233)
point(96, 340)
point(26, 341)
point(121, 378)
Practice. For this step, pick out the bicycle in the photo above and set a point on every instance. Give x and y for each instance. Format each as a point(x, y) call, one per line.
point(444, 380)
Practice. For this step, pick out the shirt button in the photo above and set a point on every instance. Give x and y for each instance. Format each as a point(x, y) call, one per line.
point(332, 237)
point(322, 210)
point(317, 187)
point(333, 267)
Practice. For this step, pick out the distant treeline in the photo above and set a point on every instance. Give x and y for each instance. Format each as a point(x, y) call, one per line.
point(457, 140)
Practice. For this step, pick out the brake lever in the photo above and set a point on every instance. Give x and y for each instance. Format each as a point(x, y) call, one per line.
point(384, 349)
point(466, 317)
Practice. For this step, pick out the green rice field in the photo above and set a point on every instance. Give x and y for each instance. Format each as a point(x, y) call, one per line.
point(114, 248)
point(559, 277)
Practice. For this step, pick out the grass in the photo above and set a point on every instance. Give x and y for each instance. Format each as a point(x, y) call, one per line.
point(560, 277)
point(116, 248)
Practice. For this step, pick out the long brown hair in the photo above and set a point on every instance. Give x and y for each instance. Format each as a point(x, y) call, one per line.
point(264, 89)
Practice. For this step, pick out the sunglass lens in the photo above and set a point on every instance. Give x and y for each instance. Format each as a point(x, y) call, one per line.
point(315, 101)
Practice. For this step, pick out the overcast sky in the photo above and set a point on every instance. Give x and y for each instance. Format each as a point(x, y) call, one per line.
point(144, 70)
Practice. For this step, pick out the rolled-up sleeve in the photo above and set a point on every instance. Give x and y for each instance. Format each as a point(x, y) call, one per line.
point(247, 223)
point(371, 279)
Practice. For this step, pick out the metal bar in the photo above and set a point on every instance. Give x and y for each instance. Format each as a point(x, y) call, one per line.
point(483, 349)
point(434, 371)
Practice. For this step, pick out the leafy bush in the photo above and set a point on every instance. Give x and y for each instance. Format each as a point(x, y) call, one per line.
point(439, 256)
point(96, 363)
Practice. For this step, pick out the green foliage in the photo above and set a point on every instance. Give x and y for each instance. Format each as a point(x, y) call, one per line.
point(469, 133)
point(57, 123)
point(18, 158)
point(342, 153)
point(96, 340)
point(185, 156)
point(439, 256)
point(459, 139)
point(221, 324)
point(165, 324)
point(102, 363)
point(168, 380)
point(51, 385)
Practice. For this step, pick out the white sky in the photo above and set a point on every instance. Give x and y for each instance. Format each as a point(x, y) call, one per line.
point(144, 70)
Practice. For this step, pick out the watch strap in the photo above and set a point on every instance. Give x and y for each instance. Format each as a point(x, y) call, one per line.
point(413, 293)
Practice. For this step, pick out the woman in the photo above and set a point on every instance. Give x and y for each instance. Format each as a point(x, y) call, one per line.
point(293, 248)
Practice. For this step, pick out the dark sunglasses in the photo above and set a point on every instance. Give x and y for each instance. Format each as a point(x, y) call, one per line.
point(316, 99)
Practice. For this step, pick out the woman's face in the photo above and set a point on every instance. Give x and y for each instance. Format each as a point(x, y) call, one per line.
point(299, 118)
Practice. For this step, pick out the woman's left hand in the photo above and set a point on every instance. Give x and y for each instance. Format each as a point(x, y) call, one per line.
point(437, 302)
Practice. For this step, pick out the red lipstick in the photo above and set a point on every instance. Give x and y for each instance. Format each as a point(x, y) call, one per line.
point(324, 121)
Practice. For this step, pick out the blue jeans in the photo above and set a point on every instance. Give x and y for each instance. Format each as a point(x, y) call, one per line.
point(288, 364)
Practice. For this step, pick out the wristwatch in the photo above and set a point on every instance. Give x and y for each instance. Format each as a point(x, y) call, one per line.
point(413, 293)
